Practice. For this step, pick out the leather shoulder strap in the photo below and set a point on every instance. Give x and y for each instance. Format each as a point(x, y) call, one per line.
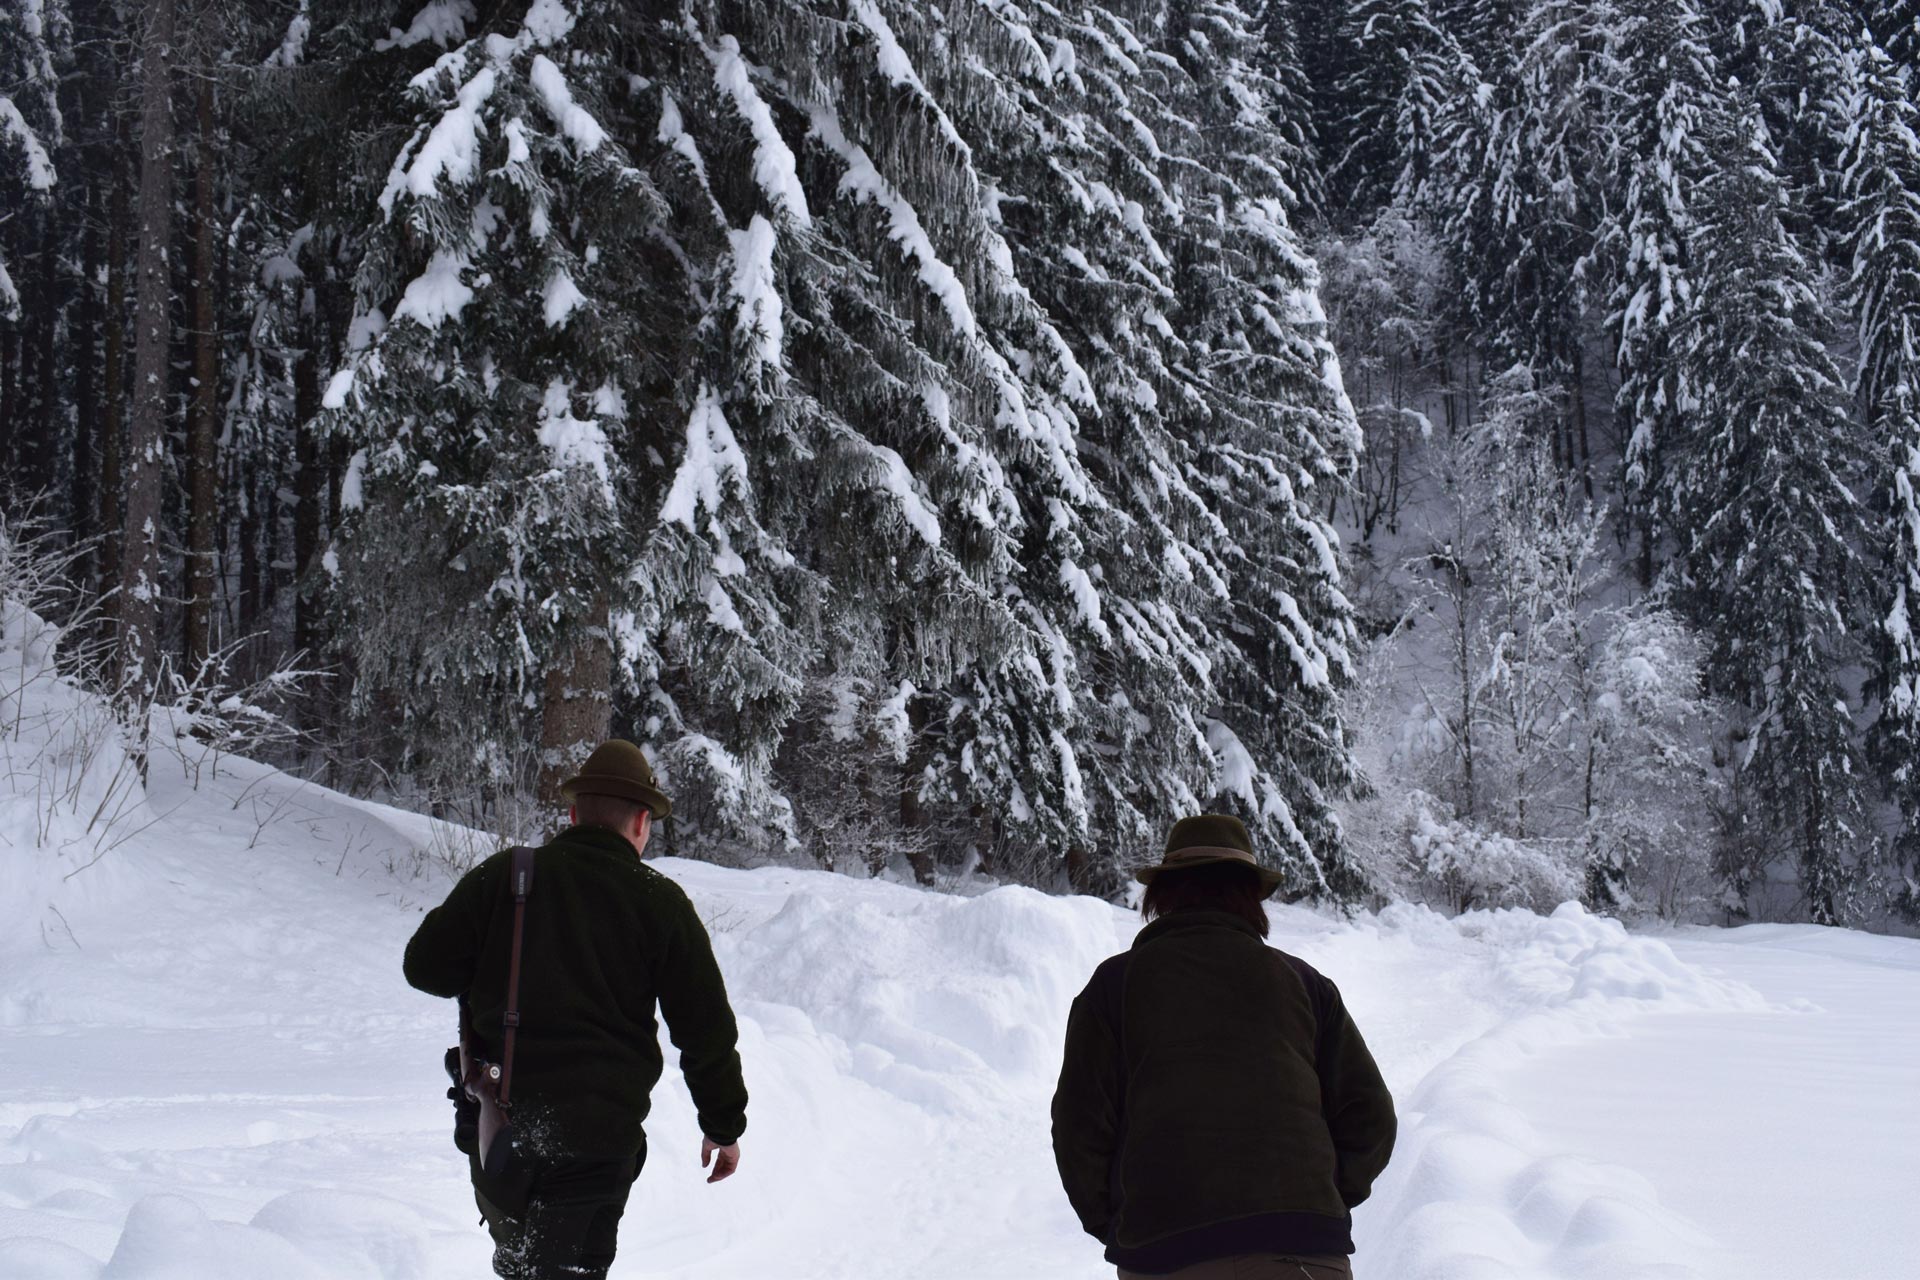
point(521, 883)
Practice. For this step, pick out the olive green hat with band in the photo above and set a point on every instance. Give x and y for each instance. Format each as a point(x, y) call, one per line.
point(619, 768)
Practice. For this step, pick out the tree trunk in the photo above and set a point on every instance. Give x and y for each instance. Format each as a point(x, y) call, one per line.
point(576, 711)
point(913, 815)
point(1649, 524)
point(10, 345)
point(1577, 405)
point(113, 377)
point(252, 592)
point(309, 480)
point(336, 313)
point(202, 459)
point(1079, 866)
point(84, 338)
point(146, 443)
point(43, 443)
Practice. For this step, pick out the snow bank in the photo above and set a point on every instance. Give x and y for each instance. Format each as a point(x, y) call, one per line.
point(70, 792)
point(946, 1000)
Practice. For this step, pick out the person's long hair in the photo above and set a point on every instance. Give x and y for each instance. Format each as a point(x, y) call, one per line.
point(1233, 887)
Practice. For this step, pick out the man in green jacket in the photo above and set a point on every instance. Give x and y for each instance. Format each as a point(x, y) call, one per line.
point(606, 937)
point(1218, 1114)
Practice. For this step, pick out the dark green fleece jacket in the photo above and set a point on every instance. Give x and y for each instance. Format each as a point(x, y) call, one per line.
point(607, 937)
point(1215, 1100)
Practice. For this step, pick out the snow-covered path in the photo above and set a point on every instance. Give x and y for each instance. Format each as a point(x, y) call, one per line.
point(209, 1067)
point(1779, 1134)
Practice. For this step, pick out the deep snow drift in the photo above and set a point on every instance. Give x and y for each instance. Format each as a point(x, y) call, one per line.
point(210, 1067)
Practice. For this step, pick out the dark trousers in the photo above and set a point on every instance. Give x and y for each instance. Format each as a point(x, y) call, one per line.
point(555, 1219)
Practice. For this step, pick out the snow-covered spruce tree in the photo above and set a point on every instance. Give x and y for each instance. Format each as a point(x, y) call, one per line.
point(39, 221)
point(1791, 55)
point(1768, 563)
point(518, 333)
point(1294, 143)
point(1277, 435)
point(30, 131)
point(1670, 103)
point(1099, 725)
point(1316, 30)
point(1042, 301)
point(872, 445)
point(1527, 225)
point(1404, 68)
point(1051, 288)
point(1115, 572)
point(1895, 26)
point(1881, 184)
point(1487, 31)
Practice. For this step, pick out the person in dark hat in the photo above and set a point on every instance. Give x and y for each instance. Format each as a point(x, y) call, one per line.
point(1218, 1115)
point(606, 939)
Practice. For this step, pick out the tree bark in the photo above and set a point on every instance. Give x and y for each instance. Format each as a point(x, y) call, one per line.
point(309, 480)
point(43, 443)
point(576, 713)
point(10, 346)
point(203, 413)
point(113, 376)
point(84, 339)
point(146, 444)
point(1576, 389)
point(913, 815)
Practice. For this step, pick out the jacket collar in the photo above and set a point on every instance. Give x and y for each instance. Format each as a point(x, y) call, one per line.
point(597, 839)
point(1193, 919)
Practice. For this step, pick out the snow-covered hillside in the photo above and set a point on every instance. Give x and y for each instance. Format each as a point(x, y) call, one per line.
point(210, 1068)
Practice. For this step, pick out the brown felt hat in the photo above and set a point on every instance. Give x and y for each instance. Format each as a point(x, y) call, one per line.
point(618, 768)
point(1207, 839)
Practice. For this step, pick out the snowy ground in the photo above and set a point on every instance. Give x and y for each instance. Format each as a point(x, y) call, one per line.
point(210, 1067)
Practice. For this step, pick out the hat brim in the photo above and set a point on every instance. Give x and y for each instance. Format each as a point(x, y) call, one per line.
point(607, 784)
point(1269, 878)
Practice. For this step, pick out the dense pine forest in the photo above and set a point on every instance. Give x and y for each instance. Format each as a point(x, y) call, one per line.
point(1474, 440)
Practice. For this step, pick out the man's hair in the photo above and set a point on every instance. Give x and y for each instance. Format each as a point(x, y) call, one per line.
point(1233, 887)
point(618, 812)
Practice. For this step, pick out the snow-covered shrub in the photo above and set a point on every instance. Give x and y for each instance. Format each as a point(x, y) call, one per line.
point(69, 788)
point(1488, 869)
point(72, 744)
point(1654, 790)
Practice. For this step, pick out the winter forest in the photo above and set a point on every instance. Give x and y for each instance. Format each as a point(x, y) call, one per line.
point(1476, 441)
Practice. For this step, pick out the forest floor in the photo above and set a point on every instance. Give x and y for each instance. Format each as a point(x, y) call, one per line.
point(210, 1067)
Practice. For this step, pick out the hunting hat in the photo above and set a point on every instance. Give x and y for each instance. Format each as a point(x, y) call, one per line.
point(618, 768)
point(1207, 839)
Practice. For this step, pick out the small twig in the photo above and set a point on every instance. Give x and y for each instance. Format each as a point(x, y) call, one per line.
point(160, 817)
point(66, 926)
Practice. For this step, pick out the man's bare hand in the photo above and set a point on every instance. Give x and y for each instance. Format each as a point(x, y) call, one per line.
point(723, 1167)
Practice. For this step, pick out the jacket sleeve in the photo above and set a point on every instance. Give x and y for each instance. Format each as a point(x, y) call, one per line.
point(1355, 1100)
point(693, 1001)
point(1087, 1109)
point(444, 952)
